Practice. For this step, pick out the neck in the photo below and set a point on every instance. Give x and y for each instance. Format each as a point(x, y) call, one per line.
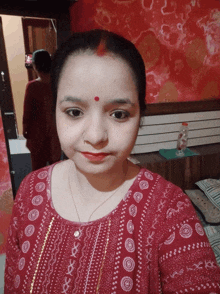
point(105, 182)
point(43, 77)
point(90, 195)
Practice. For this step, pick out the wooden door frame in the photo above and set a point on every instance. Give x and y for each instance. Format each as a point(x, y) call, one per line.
point(7, 105)
point(55, 10)
point(5, 91)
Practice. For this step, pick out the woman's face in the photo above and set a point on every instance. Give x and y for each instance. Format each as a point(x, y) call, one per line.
point(97, 112)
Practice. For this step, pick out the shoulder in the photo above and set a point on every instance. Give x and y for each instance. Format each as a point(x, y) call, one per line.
point(161, 204)
point(33, 197)
point(37, 173)
point(158, 181)
point(148, 180)
point(35, 189)
point(35, 182)
point(163, 195)
point(32, 85)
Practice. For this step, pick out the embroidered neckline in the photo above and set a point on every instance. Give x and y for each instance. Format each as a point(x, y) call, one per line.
point(97, 221)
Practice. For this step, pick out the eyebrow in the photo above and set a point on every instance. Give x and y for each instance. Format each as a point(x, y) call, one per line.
point(71, 99)
point(121, 101)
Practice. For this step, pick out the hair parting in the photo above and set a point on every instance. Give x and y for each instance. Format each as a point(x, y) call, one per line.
point(101, 50)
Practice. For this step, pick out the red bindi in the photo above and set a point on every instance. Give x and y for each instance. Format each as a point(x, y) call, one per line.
point(96, 98)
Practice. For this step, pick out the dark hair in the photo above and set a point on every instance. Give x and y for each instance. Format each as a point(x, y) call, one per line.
point(42, 60)
point(100, 42)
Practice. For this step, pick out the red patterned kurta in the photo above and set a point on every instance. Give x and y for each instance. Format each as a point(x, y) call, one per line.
point(152, 242)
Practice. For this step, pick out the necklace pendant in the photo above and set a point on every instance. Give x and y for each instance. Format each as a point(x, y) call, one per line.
point(76, 234)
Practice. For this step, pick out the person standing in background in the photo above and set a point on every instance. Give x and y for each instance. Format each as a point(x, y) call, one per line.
point(39, 126)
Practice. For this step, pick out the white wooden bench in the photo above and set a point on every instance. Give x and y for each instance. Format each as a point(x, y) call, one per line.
point(161, 131)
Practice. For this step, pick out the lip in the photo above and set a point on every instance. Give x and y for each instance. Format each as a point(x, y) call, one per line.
point(95, 156)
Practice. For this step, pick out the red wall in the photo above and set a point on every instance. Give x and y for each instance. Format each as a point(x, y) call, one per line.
point(6, 196)
point(178, 39)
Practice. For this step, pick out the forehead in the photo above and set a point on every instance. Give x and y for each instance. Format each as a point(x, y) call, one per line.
point(95, 71)
point(84, 59)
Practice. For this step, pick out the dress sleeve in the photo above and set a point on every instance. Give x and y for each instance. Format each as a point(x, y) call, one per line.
point(186, 260)
point(13, 249)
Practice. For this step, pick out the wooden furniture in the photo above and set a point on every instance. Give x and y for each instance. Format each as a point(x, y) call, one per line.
point(184, 172)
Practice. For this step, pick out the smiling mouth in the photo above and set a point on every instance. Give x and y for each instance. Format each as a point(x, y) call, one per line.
point(95, 156)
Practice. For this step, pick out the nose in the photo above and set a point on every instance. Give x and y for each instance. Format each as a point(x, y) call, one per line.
point(95, 132)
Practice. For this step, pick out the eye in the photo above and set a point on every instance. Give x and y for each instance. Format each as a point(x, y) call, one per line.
point(74, 112)
point(120, 114)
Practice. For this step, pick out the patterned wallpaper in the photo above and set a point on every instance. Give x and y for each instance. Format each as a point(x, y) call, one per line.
point(179, 41)
point(6, 196)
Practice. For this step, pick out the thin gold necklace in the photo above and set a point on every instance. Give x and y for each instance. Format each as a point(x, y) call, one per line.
point(77, 232)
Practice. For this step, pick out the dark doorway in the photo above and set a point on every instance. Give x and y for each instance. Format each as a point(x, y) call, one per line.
point(29, 10)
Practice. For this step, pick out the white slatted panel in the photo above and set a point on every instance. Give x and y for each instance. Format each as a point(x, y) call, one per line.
point(18, 146)
point(161, 131)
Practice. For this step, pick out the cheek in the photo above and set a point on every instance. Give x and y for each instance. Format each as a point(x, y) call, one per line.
point(69, 135)
point(60, 126)
point(125, 138)
point(63, 124)
point(63, 129)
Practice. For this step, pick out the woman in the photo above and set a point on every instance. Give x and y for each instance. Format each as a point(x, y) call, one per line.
point(97, 223)
point(39, 126)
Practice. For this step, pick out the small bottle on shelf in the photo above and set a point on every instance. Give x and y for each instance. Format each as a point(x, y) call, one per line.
point(182, 139)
